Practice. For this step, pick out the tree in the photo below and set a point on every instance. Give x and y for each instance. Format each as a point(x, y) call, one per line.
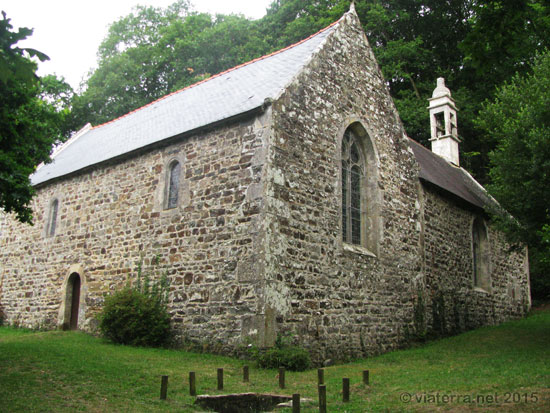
point(518, 120)
point(504, 38)
point(415, 42)
point(29, 126)
point(132, 68)
point(154, 51)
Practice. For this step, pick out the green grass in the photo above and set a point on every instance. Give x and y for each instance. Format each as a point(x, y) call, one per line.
point(70, 372)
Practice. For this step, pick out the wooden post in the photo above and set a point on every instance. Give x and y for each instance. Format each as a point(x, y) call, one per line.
point(320, 376)
point(345, 389)
point(282, 377)
point(163, 387)
point(245, 374)
point(322, 398)
point(220, 379)
point(296, 403)
point(366, 377)
point(192, 384)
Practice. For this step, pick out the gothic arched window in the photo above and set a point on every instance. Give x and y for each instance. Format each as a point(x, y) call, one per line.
point(173, 183)
point(353, 182)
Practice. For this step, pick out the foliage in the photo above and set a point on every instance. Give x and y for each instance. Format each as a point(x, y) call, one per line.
point(518, 120)
point(154, 51)
point(29, 126)
point(133, 318)
point(504, 38)
point(138, 316)
point(289, 21)
point(40, 369)
point(283, 354)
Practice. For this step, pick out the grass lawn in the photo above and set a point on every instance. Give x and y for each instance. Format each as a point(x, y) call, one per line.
point(502, 368)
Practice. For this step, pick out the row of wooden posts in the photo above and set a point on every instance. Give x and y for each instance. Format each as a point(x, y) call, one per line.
point(322, 390)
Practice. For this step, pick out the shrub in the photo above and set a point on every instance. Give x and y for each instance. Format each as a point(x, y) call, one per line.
point(132, 317)
point(285, 355)
point(138, 316)
point(290, 357)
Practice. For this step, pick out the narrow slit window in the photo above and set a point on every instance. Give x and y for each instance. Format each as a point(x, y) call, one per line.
point(173, 185)
point(52, 219)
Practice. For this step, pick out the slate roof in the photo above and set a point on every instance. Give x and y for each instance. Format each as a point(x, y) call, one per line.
point(455, 180)
point(236, 91)
point(231, 93)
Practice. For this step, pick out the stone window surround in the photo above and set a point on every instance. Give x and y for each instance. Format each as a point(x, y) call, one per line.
point(172, 191)
point(48, 217)
point(483, 285)
point(371, 195)
point(164, 183)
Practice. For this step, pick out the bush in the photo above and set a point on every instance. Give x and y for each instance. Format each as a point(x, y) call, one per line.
point(290, 357)
point(132, 317)
point(285, 355)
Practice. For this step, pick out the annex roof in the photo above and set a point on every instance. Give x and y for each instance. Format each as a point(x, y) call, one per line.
point(231, 93)
point(453, 179)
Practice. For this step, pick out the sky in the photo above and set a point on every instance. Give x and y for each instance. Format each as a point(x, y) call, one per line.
point(70, 31)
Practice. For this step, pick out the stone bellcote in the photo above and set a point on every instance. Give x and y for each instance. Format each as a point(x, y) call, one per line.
point(444, 134)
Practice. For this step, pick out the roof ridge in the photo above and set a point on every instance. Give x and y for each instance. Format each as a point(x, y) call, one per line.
point(219, 74)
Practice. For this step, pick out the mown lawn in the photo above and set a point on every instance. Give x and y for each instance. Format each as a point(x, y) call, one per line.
point(503, 368)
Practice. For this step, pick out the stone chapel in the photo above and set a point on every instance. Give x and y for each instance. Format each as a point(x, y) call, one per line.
point(282, 196)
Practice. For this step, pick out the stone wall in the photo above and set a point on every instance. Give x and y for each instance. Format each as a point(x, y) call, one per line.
point(112, 217)
point(339, 300)
point(453, 303)
point(343, 301)
point(254, 249)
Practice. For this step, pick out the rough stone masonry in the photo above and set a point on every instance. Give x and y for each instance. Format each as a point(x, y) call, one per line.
point(254, 247)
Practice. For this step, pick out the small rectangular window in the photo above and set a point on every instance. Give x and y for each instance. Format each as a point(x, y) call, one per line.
point(52, 218)
point(173, 185)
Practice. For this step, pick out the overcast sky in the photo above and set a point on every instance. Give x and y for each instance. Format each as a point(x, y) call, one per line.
point(70, 31)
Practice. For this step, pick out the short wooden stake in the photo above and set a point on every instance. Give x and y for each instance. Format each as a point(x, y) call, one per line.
point(245, 374)
point(192, 384)
point(220, 379)
point(345, 389)
point(320, 376)
point(366, 377)
point(282, 377)
point(163, 387)
point(296, 403)
point(322, 398)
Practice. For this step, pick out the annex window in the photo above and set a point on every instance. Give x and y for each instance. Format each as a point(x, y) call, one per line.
point(359, 197)
point(52, 218)
point(481, 258)
point(172, 185)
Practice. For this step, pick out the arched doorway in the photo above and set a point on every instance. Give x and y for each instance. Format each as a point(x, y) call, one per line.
point(72, 301)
